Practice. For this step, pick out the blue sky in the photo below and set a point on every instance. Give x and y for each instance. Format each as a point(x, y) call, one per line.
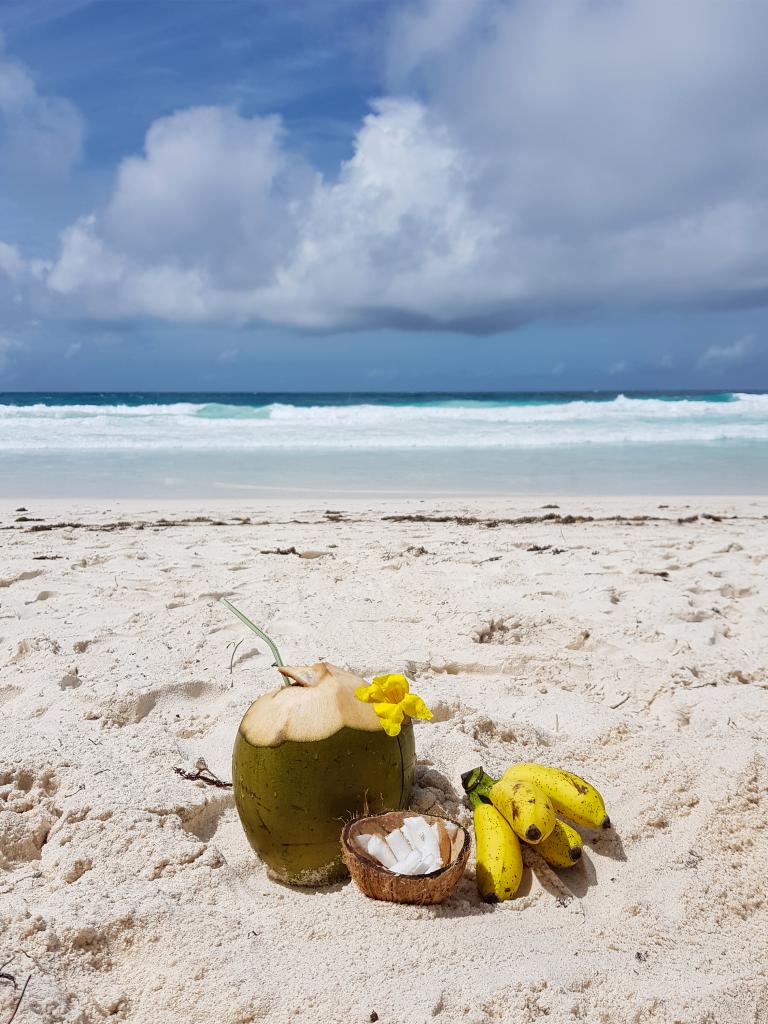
point(455, 194)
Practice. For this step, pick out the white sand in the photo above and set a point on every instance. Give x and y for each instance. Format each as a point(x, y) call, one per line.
point(128, 893)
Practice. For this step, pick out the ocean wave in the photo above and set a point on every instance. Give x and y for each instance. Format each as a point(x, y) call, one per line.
point(442, 424)
point(66, 411)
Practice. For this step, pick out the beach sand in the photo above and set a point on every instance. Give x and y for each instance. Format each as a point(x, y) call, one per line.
point(633, 652)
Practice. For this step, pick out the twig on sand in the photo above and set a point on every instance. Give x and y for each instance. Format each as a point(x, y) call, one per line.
point(622, 701)
point(11, 978)
point(234, 652)
point(18, 1001)
point(203, 773)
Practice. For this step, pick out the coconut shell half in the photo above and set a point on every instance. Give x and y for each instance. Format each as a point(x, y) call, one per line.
point(378, 883)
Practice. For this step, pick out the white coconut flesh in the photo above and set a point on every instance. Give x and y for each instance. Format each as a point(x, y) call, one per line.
point(416, 848)
point(320, 701)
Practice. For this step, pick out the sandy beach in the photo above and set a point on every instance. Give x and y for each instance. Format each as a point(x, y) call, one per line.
point(624, 639)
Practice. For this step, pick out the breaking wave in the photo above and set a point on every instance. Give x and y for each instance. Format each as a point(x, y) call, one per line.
point(377, 423)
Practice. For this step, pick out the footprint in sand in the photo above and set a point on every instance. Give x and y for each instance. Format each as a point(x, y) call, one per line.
point(29, 813)
point(580, 642)
point(9, 693)
point(70, 680)
point(31, 574)
point(204, 823)
point(493, 632)
point(443, 711)
point(719, 632)
point(416, 669)
point(698, 615)
point(174, 700)
point(25, 647)
point(735, 593)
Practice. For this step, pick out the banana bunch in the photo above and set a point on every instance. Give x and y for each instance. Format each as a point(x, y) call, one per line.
point(528, 803)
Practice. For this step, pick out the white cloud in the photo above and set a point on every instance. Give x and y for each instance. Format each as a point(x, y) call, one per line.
point(394, 240)
point(22, 288)
point(427, 30)
point(194, 225)
point(737, 352)
point(11, 263)
point(560, 156)
point(40, 135)
point(40, 141)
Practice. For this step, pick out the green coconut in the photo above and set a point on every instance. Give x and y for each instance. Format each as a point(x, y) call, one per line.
point(308, 757)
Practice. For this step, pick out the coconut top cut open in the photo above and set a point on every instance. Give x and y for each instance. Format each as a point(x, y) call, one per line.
point(320, 701)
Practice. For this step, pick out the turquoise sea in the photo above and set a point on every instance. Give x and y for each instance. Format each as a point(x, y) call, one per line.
point(184, 445)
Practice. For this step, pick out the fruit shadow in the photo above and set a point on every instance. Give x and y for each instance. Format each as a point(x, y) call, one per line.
point(606, 844)
point(312, 890)
point(463, 902)
point(563, 886)
point(562, 883)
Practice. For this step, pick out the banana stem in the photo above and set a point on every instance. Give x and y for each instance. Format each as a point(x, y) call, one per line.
point(259, 632)
point(477, 779)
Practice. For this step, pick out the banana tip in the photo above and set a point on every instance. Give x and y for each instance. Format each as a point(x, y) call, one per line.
point(533, 833)
point(606, 822)
point(490, 898)
point(575, 853)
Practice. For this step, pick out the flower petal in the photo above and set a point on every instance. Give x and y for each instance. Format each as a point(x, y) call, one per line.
point(391, 728)
point(365, 694)
point(387, 710)
point(391, 717)
point(393, 686)
point(415, 707)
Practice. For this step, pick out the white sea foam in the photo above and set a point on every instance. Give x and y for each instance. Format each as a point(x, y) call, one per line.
point(443, 425)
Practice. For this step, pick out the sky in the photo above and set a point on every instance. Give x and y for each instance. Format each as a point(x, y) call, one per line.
point(383, 195)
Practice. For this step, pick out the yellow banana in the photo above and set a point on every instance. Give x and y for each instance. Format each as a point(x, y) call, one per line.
point(499, 858)
point(570, 795)
point(562, 847)
point(526, 807)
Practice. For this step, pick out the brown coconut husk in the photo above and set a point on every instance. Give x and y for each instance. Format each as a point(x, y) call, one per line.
point(378, 883)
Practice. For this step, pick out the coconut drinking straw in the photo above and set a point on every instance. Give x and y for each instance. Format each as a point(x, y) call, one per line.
point(259, 632)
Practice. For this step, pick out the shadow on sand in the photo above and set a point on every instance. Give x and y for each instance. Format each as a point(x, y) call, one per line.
point(563, 885)
point(607, 844)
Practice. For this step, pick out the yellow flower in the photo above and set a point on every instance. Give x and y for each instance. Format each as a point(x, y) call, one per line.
point(392, 701)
